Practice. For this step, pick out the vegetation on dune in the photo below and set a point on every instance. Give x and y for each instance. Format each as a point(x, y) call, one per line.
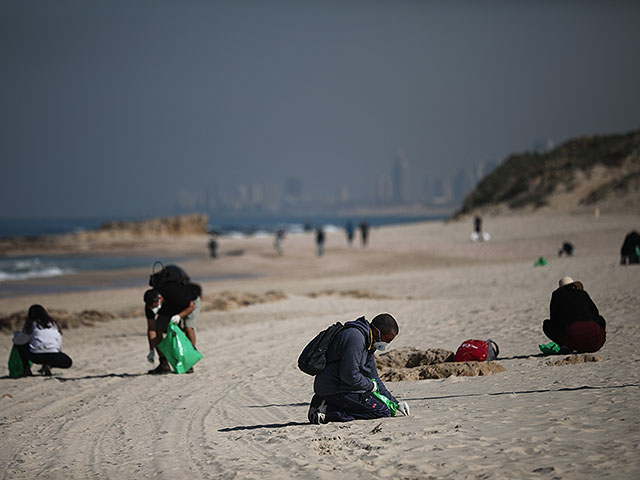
point(530, 179)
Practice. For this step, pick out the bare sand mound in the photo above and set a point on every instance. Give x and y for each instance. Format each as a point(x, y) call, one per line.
point(350, 293)
point(573, 359)
point(230, 300)
point(219, 301)
point(414, 364)
point(65, 318)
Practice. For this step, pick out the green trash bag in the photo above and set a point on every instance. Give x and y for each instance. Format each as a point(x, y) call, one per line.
point(549, 348)
point(16, 368)
point(541, 262)
point(180, 352)
point(393, 406)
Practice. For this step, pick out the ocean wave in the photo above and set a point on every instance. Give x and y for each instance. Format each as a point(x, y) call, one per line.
point(25, 268)
point(268, 231)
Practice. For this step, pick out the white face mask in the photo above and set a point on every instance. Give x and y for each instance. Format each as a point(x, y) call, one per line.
point(157, 309)
point(381, 346)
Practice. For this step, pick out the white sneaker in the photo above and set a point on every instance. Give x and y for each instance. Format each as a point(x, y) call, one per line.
point(317, 410)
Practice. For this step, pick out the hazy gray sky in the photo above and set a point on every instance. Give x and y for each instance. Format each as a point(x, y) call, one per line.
point(111, 107)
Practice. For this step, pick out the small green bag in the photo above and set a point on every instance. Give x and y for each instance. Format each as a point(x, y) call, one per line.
point(180, 352)
point(550, 348)
point(16, 368)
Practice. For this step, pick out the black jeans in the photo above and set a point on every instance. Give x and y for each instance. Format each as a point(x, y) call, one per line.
point(57, 359)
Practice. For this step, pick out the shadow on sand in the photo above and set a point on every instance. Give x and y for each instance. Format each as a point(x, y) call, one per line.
point(73, 379)
point(268, 425)
point(523, 392)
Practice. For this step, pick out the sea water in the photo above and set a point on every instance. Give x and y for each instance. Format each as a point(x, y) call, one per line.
point(42, 266)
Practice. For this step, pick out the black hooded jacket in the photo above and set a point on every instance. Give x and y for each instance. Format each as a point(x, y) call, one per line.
point(570, 304)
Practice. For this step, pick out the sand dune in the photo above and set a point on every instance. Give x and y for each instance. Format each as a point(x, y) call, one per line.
point(243, 413)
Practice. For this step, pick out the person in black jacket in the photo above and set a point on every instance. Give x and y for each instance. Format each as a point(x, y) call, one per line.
point(574, 321)
point(172, 302)
point(344, 389)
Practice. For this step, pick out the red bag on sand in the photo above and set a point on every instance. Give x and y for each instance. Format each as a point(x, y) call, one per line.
point(476, 351)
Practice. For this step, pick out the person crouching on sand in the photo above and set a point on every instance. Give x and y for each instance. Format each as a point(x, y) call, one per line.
point(344, 390)
point(574, 321)
point(40, 341)
point(178, 303)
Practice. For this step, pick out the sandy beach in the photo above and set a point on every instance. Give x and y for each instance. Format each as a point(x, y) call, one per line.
point(243, 414)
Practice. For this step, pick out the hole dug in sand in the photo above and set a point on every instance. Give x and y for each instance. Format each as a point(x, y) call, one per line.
point(414, 364)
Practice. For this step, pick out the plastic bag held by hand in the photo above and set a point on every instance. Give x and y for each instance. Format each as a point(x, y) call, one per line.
point(393, 406)
point(152, 355)
point(178, 350)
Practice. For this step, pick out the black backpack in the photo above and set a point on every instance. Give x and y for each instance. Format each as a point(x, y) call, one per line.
point(168, 274)
point(313, 358)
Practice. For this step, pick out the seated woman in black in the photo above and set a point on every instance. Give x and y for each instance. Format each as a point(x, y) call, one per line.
point(574, 321)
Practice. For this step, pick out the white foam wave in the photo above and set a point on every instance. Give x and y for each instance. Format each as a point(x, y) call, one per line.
point(25, 268)
point(46, 272)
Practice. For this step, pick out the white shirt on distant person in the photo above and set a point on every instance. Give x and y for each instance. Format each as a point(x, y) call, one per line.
point(41, 340)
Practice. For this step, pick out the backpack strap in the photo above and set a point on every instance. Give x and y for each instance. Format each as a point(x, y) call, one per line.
point(495, 347)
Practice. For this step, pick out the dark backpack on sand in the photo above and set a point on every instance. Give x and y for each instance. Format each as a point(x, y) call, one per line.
point(313, 358)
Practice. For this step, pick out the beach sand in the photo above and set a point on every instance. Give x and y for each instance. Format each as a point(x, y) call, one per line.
point(243, 414)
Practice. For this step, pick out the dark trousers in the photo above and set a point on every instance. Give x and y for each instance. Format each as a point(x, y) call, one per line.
point(345, 407)
point(57, 359)
point(583, 337)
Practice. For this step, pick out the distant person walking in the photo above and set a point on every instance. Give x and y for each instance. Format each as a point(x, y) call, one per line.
point(364, 232)
point(350, 230)
point(277, 241)
point(40, 341)
point(478, 235)
point(477, 225)
point(320, 237)
point(213, 245)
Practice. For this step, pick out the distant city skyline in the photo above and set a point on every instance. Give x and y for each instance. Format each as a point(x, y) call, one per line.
point(391, 189)
point(134, 108)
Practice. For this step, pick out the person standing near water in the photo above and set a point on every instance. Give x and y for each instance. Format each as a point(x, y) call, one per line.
point(320, 237)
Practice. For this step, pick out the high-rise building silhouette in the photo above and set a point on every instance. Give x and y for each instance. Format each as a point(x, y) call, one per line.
point(384, 189)
point(399, 175)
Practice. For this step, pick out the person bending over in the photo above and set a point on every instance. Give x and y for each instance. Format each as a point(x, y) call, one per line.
point(574, 321)
point(40, 341)
point(160, 311)
point(343, 391)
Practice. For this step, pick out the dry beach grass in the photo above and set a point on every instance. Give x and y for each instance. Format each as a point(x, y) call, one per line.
point(243, 413)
